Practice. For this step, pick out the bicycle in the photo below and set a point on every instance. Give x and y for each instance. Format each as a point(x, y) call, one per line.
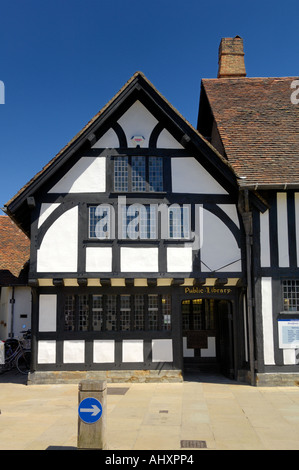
point(17, 353)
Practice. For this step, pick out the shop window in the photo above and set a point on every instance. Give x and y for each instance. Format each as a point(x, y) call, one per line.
point(125, 312)
point(290, 289)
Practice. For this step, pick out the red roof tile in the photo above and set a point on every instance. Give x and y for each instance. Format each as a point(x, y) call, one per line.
point(259, 127)
point(14, 252)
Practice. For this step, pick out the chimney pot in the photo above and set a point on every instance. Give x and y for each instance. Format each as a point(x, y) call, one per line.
point(231, 58)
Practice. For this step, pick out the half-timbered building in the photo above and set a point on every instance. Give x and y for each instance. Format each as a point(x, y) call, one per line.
point(148, 250)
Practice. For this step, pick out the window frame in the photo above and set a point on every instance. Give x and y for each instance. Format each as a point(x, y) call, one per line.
point(284, 289)
point(129, 177)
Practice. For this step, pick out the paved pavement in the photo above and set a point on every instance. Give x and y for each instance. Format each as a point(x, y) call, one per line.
point(206, 411)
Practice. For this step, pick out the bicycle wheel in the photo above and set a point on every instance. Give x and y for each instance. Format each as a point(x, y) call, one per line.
point(23, 362)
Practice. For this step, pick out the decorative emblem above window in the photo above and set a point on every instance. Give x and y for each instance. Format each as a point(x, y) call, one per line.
point(137, 140)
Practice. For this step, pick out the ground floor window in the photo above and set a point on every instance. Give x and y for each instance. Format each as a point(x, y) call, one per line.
point(290, 289)
point(139, 312)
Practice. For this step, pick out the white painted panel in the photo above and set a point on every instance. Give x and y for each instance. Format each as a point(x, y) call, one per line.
point(137, 121)
point(47, 312)
point(210, 351)
point(98, 259)
point(289, 356)
point(108, 140)
point(45, 210)
point(132, 350)
point(267, 316)
point(59, 249)
point(46, 353)
point(297, 224)
point(187, 352)
point(179, 259)
point(189, 176)
point(282, 230)
point(22, 306)
point(220, 251)
point(88, 175)
point(103, 351)
point(167, 141)
point(162, 350)
point(265, 240)
point(139, 260)
point(73, 351)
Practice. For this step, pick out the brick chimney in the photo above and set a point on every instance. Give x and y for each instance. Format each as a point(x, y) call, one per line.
point(231, 58)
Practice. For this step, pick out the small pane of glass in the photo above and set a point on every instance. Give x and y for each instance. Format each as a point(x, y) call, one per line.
point(290, 295)
point(125, 312)
point(97, 313)
point(153, 311)
point(111, 324)
point(166, 312)
point(139, 222)
point(179, 222)
point(83, 313)
point(155, 174)
point(99, 221)
point(139, 312)
point(121, 174)
point(138, 174)
point(69, 313)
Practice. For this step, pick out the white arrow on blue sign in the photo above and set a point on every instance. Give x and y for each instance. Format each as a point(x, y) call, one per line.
point(90, 410)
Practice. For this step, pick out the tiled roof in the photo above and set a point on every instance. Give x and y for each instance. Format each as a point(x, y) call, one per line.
point(259, 127)
point(14, 253)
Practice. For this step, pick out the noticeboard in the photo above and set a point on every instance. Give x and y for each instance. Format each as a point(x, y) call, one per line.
point(288, 331)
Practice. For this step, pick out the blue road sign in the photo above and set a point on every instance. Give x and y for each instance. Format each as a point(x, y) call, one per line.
point(90, 410)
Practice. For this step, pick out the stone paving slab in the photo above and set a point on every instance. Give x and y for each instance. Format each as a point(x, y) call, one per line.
point(225, 415)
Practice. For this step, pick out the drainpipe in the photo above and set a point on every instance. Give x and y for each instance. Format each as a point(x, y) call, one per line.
point(247, 221)
point(12, 301)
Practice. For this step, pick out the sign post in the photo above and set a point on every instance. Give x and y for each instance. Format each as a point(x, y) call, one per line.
point(92, 415)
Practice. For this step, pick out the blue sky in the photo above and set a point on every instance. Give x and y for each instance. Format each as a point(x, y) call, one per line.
point(61, 61)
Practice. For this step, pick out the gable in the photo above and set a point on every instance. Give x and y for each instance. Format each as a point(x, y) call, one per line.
point(138, 110)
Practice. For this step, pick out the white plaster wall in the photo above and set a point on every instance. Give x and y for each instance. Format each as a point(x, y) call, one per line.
point(98, 259)
point(162, 350)
point(103, 351)
point(88, 175)
point(167, 141)
point(59, 249)
point(137, 121)
point(219, 250)
point(45, 211)
point(139, 260)
point(73, 351)
point(132, 350)
point(46, 352)
point(108, 140)
point(289, 357)
point(267, 316)
point(265, 239)
point(189, 176)
point(22, 309)
point(47, 312)
point(282, 230)
point(179, 259)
